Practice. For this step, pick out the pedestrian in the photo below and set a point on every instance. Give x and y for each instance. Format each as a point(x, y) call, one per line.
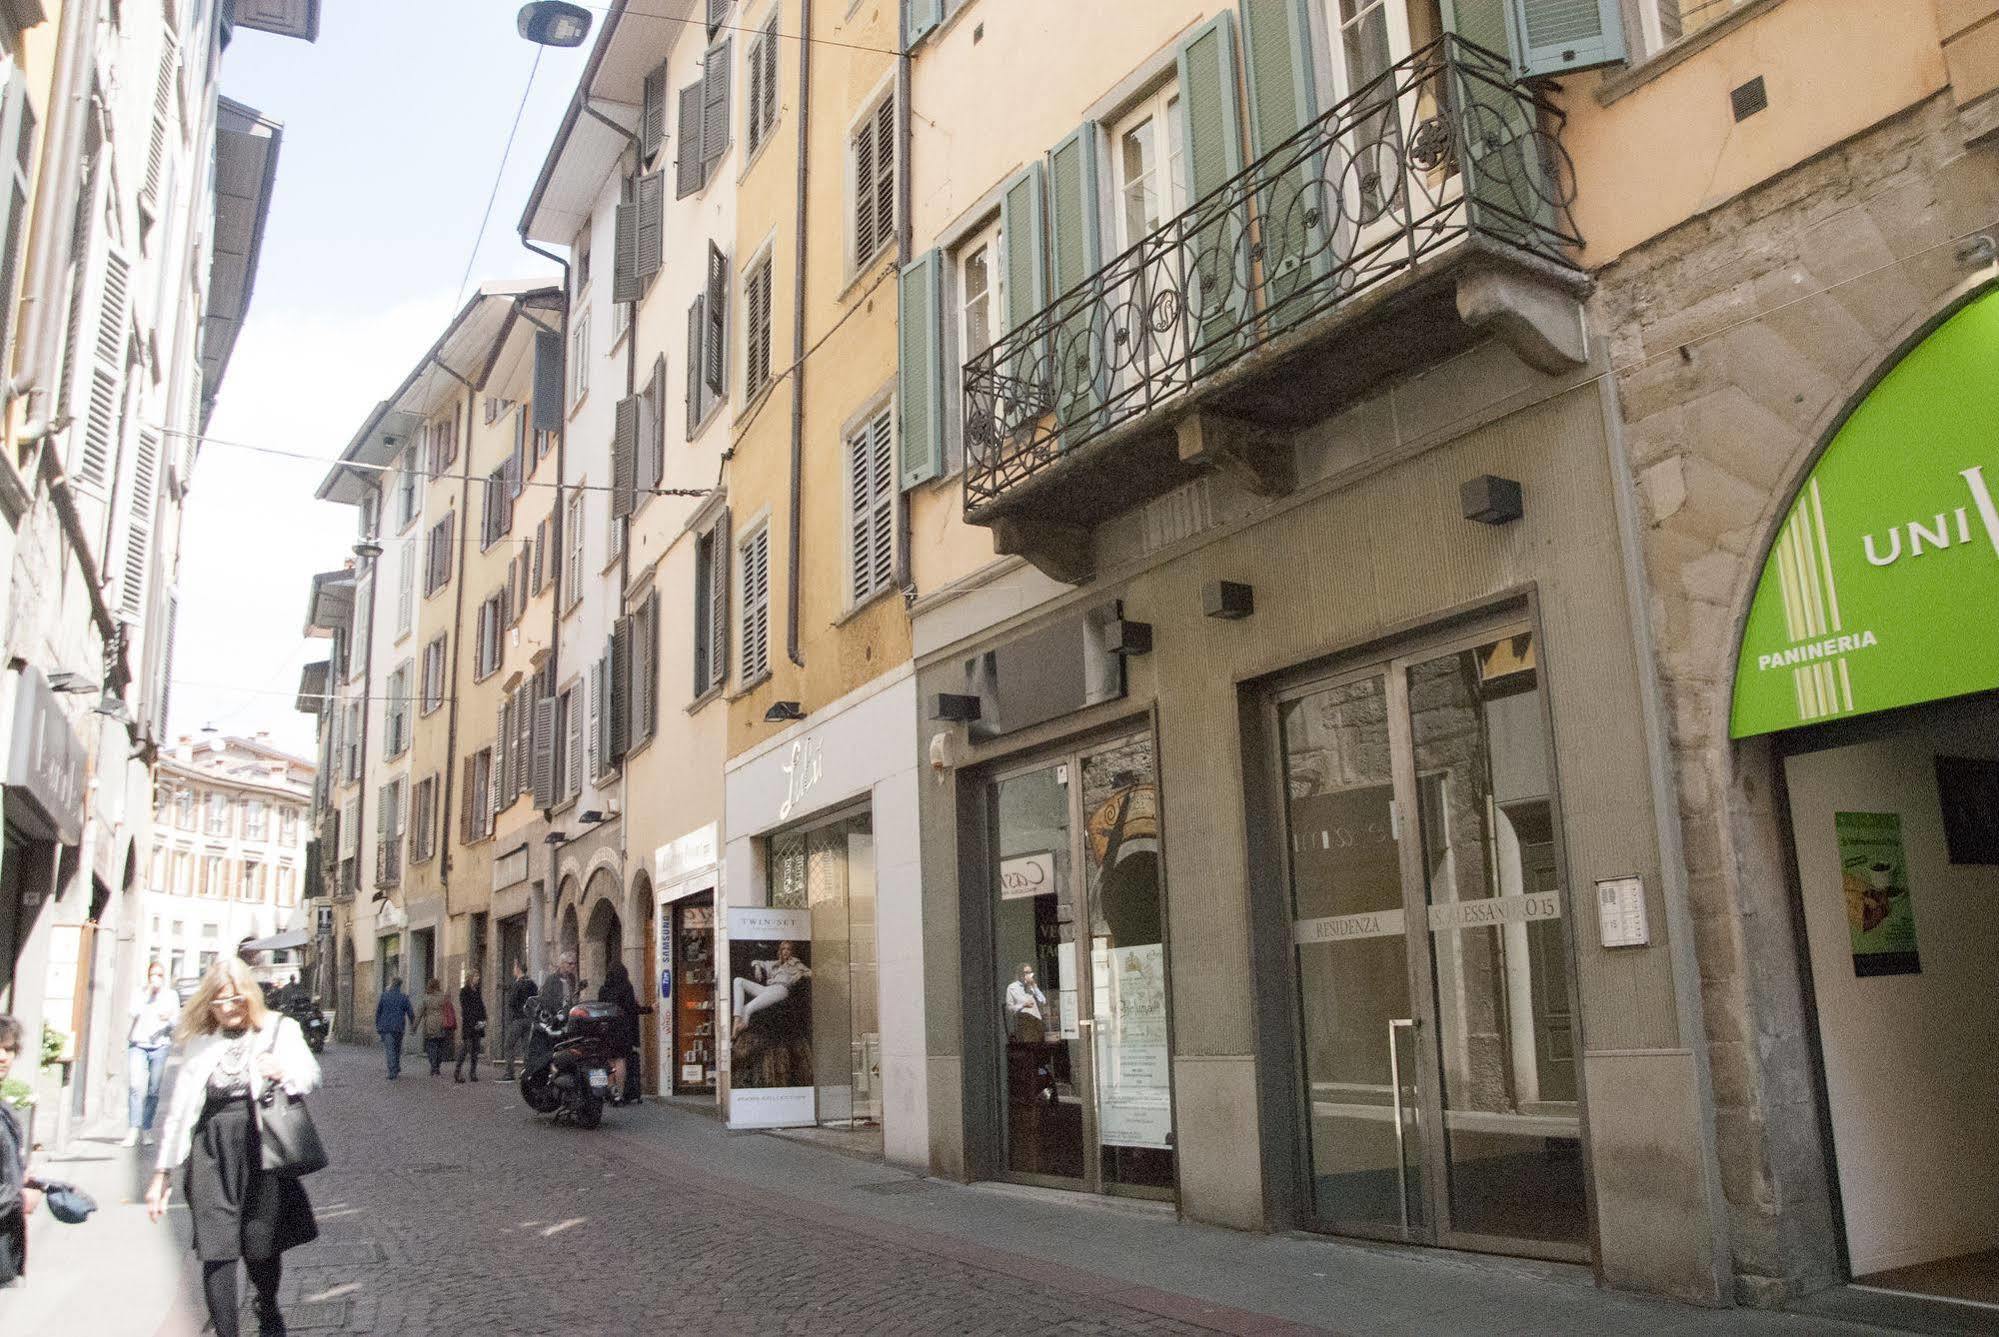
point(393, 1014)
point(617, 991)
point(17, 1201)
point(233, 1049)
point(514, 1039)
point(436, 1024)
point(562, 988)
point(471, 1026)
point(148, 1041)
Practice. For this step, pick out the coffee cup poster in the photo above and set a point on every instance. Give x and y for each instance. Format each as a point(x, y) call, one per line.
point(770, 1018)
point(1874, 878)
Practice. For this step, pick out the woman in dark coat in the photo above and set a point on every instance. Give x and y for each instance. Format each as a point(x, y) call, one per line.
point(617, 991)
point(233, 1048)
point(471, 1026)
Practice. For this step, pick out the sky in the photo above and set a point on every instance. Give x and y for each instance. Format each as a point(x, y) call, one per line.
point(394, 124)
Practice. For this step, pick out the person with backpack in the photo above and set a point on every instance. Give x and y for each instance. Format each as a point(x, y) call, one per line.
point(514, 1039)
point(471, 1026)
point(437, 1023)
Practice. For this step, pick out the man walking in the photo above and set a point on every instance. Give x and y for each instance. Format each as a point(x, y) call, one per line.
point(393, 1014)
point(518, 1025)
point(562, 988)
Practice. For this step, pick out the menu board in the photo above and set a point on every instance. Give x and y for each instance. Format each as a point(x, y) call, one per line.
point(1134, 1076)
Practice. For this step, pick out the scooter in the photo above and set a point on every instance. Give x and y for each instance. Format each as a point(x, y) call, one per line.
point(568, 1072)
point(312, 1021)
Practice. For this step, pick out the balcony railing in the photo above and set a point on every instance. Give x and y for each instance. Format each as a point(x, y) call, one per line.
point(1440, 147)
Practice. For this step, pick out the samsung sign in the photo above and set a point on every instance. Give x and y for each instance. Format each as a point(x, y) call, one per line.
point(45, 765)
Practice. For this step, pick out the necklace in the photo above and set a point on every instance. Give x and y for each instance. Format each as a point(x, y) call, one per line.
point(232, 1067)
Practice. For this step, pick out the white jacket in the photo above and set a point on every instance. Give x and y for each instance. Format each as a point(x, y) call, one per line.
point(279, 1035)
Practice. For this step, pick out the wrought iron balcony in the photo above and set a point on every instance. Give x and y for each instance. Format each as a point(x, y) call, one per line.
point(1441, 162)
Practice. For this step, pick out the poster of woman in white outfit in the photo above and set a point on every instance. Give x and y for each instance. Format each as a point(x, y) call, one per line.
point(770, 1018)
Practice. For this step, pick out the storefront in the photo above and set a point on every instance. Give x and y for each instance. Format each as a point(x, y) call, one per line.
point(1304, 864)
point(685, 874)
point(823, 848)
point(1870, 660)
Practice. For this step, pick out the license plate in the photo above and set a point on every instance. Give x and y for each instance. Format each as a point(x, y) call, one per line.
point(599, 1078)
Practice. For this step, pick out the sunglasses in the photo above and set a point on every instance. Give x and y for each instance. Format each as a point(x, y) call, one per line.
point(224, 1000)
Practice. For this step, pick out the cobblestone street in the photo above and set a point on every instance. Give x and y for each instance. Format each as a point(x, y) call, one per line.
point(449, 1210)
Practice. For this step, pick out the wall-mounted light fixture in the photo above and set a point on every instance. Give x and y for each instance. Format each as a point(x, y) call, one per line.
point(954, 708)
point(1130, 638)
point(1491, 500)
point(783, 712)
point(1227, 599)
point(554, 23)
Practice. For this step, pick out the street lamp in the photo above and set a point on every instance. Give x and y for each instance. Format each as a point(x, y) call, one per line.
point(554, 23)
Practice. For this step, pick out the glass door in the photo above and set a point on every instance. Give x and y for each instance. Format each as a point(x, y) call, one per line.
point(1080, 972)
point(1436, 1025)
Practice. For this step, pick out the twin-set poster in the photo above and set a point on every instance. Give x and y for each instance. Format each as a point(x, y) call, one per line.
point(770, 1018)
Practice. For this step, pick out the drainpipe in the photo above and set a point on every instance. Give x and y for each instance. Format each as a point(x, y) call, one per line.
point(797, 506)
point(361, 766)
point(537, 932)
point(905, 566)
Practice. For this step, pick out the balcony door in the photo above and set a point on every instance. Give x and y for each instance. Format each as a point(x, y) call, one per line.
point(1368, 171)
point(1437, 1039)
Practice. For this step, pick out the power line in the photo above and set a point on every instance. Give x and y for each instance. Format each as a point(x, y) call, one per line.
point(499, 175)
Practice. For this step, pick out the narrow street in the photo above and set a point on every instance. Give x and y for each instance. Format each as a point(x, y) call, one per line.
point(449, 1210)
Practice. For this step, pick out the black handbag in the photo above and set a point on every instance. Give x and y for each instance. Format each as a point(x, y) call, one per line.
point(289, 1144)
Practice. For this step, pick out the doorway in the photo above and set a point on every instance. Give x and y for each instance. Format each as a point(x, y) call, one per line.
point(690, 979)
point(1895, 833)
point(1078, 990)
point(1436, 1033)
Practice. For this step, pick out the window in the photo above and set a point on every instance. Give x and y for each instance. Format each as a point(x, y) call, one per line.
point(581, 265)
point(753, 597)
point(211, 876)
point(288, 891)
point(704, 122)
point(871, 149)
point(569, 742)
point(216, 821)
point(288, 826)
point(522, 573)
point(494, 408)
point(711, 608)
point(718, 10)
point(364, 597)
point(396, 719)
point(389, 836)
point(476, 821)
point(599, 694)
point(756, 327)
point(423, 820)
point(1667, 21)
point(17, 137)
point(1149, 164)
point(487, 650)
point(497, 518)
point(406, 490)
point(443, 445)
point(184, 809)
point(980, 303)
point(540, 555)
point(256, 820)
point(760, 108)
point(253, 880)
point(579, 356)
point(572, 570)
point(350, 737)
point(405, 588)
point(437, 555)
point(642, 677)
point(871, 494)
point(433, 675)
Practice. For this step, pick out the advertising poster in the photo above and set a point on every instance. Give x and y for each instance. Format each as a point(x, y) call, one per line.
point(1875, 880)
point(1134, 1082)
point(770, 1018)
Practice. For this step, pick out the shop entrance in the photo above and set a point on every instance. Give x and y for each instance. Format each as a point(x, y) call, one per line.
point(1436, 1032)
point(1895, 829)
point(690, 981)
point(1078, 989)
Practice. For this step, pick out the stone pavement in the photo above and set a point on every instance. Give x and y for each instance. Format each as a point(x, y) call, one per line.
point(449, 1209)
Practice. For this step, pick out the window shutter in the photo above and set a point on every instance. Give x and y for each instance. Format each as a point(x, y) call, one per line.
point(17, 141)
point(919, 17)
point(718, 605)
point(753, 123)
point(573, 784)
point(625, 285)
point(648, 678)
point(715, 105)
point(1074, 240)
point(140, 502)
point(646, 418)
point(1212, 141)
point(624, 445)
point(920, 374)
point(594, 693)
point(715, 353)
point(650, 228)
point(618, 706)
point(163, 97)
point(756, 328)
point(652, 429)
point(717, 11)
point(882, 493)
point(1500, 158)
point(1277, 45)
point(405, 585)
point(548, 382)
point(466, 807)
point(696, 323)
point(544, 752)
point(1557, 36)
point(101, 417)
point(524, 735)
point(503, 752)
point(866, 226)
point(763, 106)
point(652, 114)
point(689, 166)
point(1020, 228)
point(756, 605)
point(162, 696)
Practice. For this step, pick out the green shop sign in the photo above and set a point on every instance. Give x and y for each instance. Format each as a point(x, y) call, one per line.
point(1882, 588)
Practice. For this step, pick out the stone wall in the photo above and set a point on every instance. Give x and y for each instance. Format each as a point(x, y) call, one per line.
point(1740, 339)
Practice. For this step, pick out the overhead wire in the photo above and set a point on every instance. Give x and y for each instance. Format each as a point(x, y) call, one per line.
point(499, 175)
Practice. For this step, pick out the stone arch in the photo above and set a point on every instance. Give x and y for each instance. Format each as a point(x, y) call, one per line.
point(603, 925)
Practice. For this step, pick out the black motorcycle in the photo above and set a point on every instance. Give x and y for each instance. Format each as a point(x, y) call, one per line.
point(305, 1011)
point(568, 1071)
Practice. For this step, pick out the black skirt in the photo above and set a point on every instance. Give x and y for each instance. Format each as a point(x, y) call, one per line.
point(239, 1211)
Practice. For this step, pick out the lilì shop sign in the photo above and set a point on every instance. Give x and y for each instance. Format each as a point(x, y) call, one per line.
point(1882, 587)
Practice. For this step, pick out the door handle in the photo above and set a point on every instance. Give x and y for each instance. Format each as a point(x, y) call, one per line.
point(1395, 1095)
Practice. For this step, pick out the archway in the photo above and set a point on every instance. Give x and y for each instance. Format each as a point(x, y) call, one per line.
point(647, 954)
point(1868, 674)
point(603, 942)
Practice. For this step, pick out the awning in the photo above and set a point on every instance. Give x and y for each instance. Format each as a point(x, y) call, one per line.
point(277, 942)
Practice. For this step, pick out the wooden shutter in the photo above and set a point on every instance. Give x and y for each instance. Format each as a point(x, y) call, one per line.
point(870, 229)
point(648, 677)
point(649, 239)
point(140, 501)
point(405, 585)
point(755, 615)
point(1075, 250)
point(503, 753)
point(714, 105)
point(1212, 139)
point(574, 753)
point(753, 122)
point(593, 693)
point(764, 108)
point(1020, 229)
point(548, 383)
point(718, 605)
point(697, 323)
point(714, 335)
point(920, 368)
point(1501, 158)
point(163, 100)
point(17, 143)
point(625, 285)
point(690, 167)
point(624, 445)
point(652, 113)
point(1557, 36)
point(524, 731)
point(919, 17)
point(618, 705)
point(717, 11)
point(652, 430)
point(543, 767)
point(1277, 46)
point(756, 328)
point(104, 409)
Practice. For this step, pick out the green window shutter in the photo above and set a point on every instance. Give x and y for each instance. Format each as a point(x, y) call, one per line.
point(625, 283)
point(1277, 46)
point(920, 375)
point(1075, 250)
point(1557, 36)
point(1020, 227)
point(919, 17)
point(1212, 125)
point(1500, 158)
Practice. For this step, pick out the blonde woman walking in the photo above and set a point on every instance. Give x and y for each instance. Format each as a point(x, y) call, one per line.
point(233, 1049)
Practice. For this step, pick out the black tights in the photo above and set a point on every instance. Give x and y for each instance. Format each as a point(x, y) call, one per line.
point(218, 1284)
